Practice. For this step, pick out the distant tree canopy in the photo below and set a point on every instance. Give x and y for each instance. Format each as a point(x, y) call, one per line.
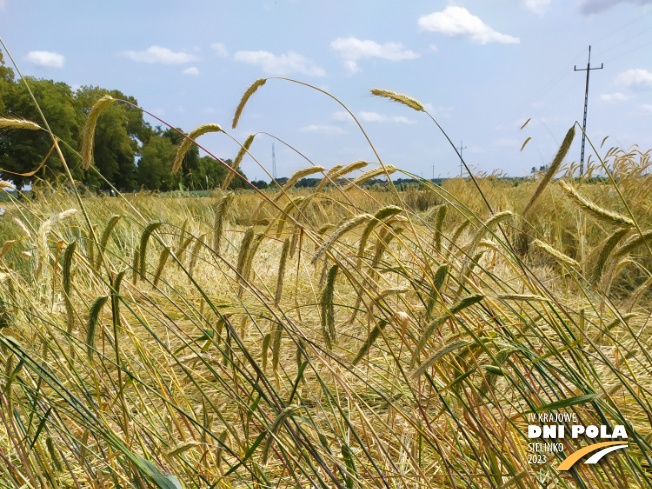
point(128, 152)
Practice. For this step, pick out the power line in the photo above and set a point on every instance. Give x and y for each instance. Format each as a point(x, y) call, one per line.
point(586, 105)
point(629, 52)
point(618, 29)
point(553, 81)
point(626, 40)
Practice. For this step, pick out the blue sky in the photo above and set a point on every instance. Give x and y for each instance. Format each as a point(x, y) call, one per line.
point(481, 67)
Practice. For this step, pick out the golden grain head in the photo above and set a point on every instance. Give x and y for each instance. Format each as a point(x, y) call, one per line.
point(334, 170)
point(298, 175)
point(10, 123)
point(4, 184)
point(558, 255)
point(356, 165)
point(369, 174)
point(187, 142)
point(88, 132)
point(238, 159)
point(245, 98)
point(595, 210)
point(552, 170)
point(400, 98)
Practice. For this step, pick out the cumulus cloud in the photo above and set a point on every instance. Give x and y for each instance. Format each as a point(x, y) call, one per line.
point(537, 6)
point(459, 22)
point(46, 59)
point(637, 79)
point(192, 71)
point(372, 117)
point(438, 111)
point(220, 49)
point(376, 117)
point(353, 50)
point(281, 65)
point(156, 55)
point(325, 129)
point(342, 115)
point(614, 97)
point(591, 7)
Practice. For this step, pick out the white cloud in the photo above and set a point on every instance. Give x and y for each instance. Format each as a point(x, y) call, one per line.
point(614, 97)
point(342, 115)
point(376, 117)
point(353, 50)
point(438, 111)
point(220, 49)
point(433, 48)
point(638, 79)
point(537, 6)
point(459, 22)
point(46, 59)
point(647, 108)
point(156, 55)
point(538, 105)
point(281, 65)
point(192, 71)
point(322, 129)
point(208, 110)
point(372, 117)
point(591, 7)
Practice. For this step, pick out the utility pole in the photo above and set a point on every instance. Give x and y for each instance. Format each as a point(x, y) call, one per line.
point(273, 163)
point(586, 105)
point(433, 172)
point(461, 148)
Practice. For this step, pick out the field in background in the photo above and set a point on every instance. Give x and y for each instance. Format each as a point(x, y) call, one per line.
point(334, 337)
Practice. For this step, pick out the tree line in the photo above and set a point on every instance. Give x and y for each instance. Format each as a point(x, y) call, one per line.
point(129, 153)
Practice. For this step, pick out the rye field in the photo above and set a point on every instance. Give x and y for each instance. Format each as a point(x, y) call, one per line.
point(349, 335)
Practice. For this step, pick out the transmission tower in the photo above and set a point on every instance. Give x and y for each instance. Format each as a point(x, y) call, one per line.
point(586, 105)
point(461, 148)
point(273, 163)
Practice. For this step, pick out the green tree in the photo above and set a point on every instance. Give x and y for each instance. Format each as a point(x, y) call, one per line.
point(6, 81)
point(155, 164)
point(23, 151)
point(217, 172)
